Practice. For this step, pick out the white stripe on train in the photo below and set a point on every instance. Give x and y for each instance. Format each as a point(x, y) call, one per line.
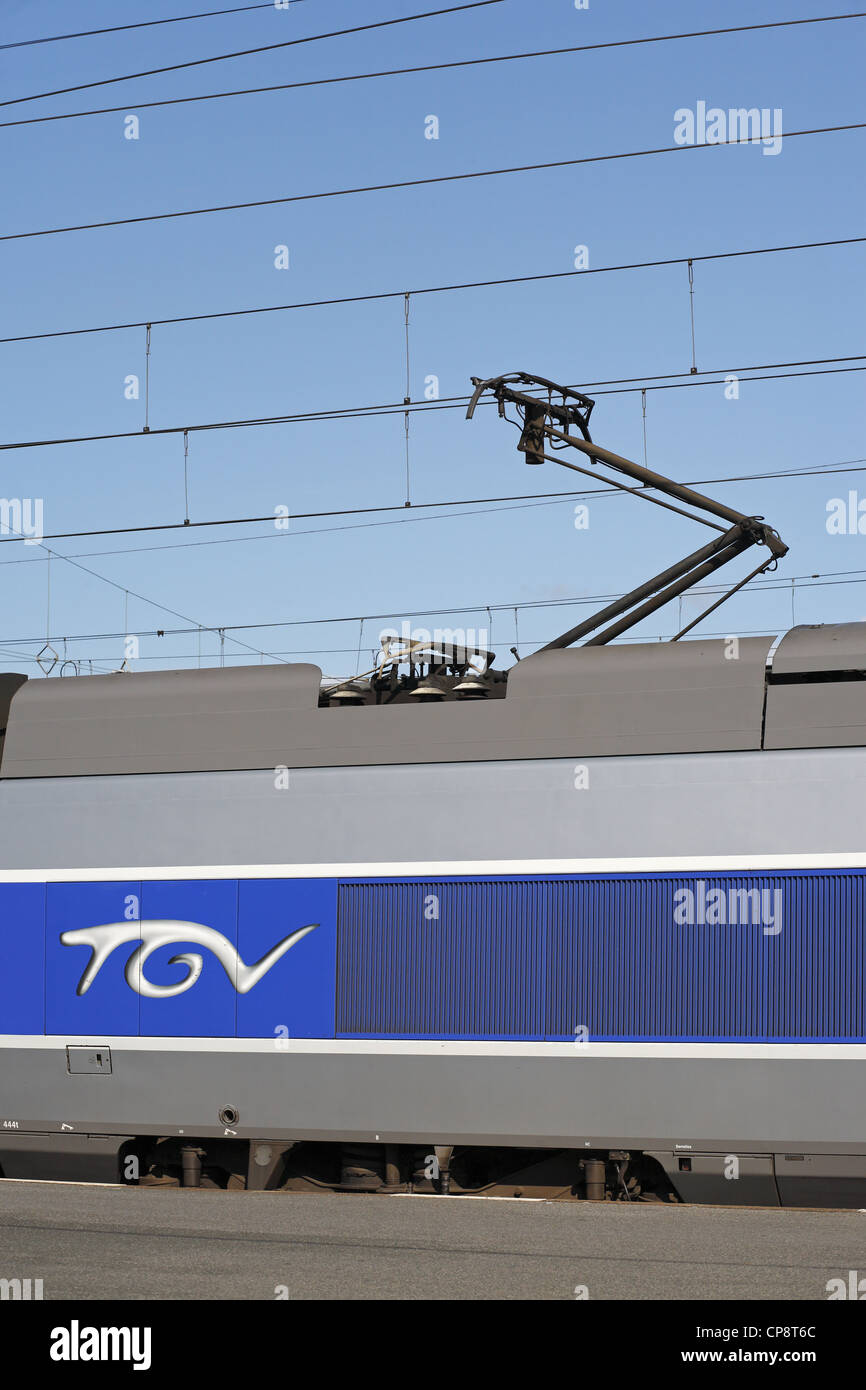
point(709, 863)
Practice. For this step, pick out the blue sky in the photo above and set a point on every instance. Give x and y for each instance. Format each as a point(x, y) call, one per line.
point(790, 307)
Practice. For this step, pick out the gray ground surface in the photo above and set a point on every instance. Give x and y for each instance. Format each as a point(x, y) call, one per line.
point(107, 1242)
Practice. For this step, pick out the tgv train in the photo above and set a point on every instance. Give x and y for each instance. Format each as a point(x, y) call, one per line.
point(594, 928)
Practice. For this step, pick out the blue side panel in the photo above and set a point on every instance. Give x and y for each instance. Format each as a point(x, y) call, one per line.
point(606, 958)
point(295, 998)
point(625, 968)
point(631, 970)
point(463, 958)
point(22, 958)
point(818, 986)
point(602, 957)
point(108, 1006)
point(111, 982)
point(208, 1008)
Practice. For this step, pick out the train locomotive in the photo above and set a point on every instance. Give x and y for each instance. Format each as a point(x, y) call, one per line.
point(589, 928)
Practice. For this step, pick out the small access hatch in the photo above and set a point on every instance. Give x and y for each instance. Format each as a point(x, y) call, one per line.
point(87, 1060)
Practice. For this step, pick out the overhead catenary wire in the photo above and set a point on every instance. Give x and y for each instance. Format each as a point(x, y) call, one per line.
point(407, 399)
point(821, 470)
point(221, 631)
point(436, 289)
point(426, 67)
point(691, 269)
point(250, 52)
point(295, 652)
point(144, 24)
point(804, 581)
point(186, 520)
point(124, 589)
point(431, 181)
point(619, 386)
point(525, 502)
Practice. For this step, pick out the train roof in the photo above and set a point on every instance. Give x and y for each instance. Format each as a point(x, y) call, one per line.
point(699, 696)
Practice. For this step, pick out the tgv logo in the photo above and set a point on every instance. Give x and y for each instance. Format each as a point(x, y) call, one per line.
point(152, 935)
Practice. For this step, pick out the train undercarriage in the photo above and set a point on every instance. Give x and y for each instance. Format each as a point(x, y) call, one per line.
point(802, 1179)
point(390, 1169)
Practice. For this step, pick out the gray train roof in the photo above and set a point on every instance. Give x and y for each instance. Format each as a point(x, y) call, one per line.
point(689, 697)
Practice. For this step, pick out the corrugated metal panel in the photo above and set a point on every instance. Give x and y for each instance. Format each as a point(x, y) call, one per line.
point(476, 970)
point(617, 957)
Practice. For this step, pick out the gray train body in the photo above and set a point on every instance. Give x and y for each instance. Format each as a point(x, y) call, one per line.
point(603, 784)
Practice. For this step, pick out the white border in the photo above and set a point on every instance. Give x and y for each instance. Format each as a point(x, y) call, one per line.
point(431, 868)
point(440, 1047)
